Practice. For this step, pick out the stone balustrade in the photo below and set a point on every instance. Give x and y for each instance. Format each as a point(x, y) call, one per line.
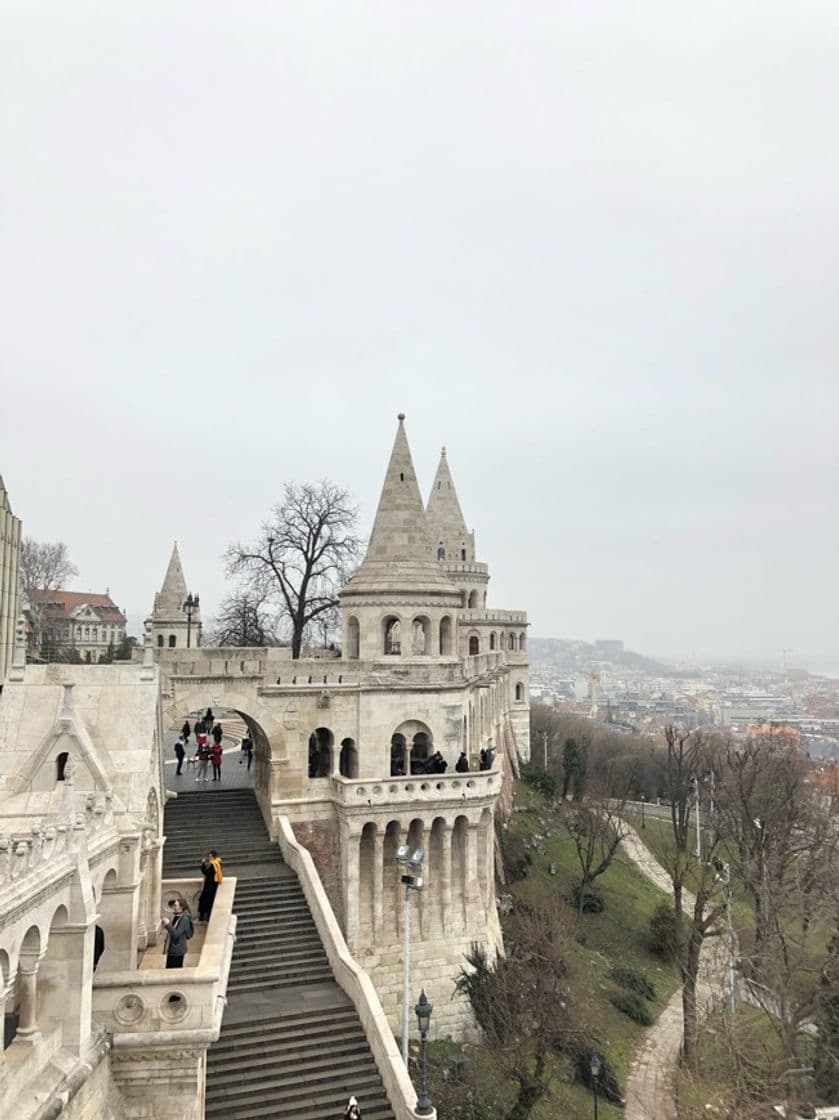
point(501, 618)
point(24, 852)
point(438, 789)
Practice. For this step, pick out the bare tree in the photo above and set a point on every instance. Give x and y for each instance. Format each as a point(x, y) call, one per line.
point(302, 556)
point(596, 834)
point(691, 759)
point(243, 619)
point(43, 567)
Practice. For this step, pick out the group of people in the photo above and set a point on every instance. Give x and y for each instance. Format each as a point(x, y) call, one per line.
point(206, 752)
point(436, 764)
point(179, 928)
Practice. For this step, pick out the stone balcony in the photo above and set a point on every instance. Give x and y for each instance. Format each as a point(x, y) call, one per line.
point(439, 790)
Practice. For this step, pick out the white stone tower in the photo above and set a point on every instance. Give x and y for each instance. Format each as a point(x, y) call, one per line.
point(175, 621)
point(454, 544)
point(399, 603)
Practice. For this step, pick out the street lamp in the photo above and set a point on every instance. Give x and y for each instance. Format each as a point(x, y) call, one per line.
point(411, 878)
point(423, 1011)
point(190, 605)
point(643, 811)
point(594, 1068)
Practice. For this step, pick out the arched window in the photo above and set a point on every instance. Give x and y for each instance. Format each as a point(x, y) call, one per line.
point(445, 636)
point(474, 645)
point(519, 691)
point(511, 641)
point(420, 752)
point(492, 640)
point(353, 638)
point(420, 636)
point(463, 554)
point(172, 640)
point(392, 636)
point(441, 552)
point(473, 598)
point(397, 755)
point(60, 764)
point(348, 764)
point(521, 640)
point(320, 752)
point(160, 639)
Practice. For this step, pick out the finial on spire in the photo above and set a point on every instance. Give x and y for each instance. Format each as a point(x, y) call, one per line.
point(400, 417)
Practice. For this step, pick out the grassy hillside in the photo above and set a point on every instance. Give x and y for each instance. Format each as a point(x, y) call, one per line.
point(617, 937)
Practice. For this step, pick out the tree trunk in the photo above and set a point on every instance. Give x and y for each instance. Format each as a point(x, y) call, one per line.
point(690, 974)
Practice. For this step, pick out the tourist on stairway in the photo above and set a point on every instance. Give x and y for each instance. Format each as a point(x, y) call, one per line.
point(180, 751)
point(203, 758)
point(213, 875)
point(352, 1111)
point(215, 752)
point(179, 930)
point(185, 731)
point(247, 751)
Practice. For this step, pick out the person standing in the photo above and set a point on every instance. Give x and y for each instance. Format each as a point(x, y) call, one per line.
point(179, 931)
point(213, 875)
point(247, 751)
point(180, 751)
point(203, 758)
point(462, 764)
point(185, 731)
point(208, 720)
point(218, 734)
point(352, 1111)
point(215, 754)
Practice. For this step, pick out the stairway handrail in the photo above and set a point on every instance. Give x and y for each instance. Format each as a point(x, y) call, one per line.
point(352, 978)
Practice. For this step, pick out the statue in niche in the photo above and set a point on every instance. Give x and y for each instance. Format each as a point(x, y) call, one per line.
point(418, 638)
point(393, 638)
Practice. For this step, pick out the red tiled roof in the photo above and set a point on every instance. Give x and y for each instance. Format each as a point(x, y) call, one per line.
point(63, 602)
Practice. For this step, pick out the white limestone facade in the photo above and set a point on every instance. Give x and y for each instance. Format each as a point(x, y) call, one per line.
point(10, 540)
point(81, 838)
point(336, 741)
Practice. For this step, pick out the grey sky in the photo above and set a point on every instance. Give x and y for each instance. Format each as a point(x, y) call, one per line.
point(590, 247)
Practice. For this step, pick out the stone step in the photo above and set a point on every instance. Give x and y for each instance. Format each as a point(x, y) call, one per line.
point(360, 1075)
point(263, 983)
point(291, 1032)
point(325, 1108)
point(239, 1062)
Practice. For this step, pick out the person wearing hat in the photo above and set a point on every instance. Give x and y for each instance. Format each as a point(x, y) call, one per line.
point(352, 1111)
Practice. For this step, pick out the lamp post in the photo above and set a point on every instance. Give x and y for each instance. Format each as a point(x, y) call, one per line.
point(594, 1067)
point(643, 811)
point(411, 879)
point(423, 1011)
point(190, 606)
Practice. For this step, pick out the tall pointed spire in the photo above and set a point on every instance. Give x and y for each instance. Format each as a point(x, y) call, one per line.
point(400, 552)
point(450, 537)
point(173, 592)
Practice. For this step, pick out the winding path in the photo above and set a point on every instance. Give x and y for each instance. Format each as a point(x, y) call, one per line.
point(650, 1092)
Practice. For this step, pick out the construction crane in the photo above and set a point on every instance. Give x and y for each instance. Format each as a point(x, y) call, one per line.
point(594, 687)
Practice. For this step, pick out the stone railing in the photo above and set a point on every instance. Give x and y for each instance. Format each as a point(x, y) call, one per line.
point(352, 979)
point(436, 788)
point(24, 852)
point(485, 614)
point(155, 1006)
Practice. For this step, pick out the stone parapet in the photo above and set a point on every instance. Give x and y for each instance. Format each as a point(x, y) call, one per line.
point(436, 790)
point(502, 618)
point(352, 979)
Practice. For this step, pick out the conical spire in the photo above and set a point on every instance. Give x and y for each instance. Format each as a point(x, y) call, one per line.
point(173, 592)
point(445, 517)
point(400, 553)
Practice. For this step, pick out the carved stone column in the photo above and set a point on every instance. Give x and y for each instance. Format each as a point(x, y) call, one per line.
point(378, 887)
point(351, 855)
point(470, 884)
point(446, 916)
point(27, 1030)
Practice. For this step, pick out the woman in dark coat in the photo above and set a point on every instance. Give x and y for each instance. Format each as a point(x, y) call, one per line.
point(211, 870)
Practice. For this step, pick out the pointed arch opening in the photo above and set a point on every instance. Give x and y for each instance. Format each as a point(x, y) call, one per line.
point(353, 638)
point(445, 636)
point(392, 636)
point(474, 645)
point(348, 762)
point(320, 752)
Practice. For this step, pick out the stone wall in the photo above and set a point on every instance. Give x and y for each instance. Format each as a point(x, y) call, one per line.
point(322, 841)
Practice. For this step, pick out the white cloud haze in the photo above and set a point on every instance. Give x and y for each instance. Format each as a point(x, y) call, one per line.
point(590, 247)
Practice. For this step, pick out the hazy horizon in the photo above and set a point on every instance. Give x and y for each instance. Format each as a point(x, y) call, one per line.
point(591, 249)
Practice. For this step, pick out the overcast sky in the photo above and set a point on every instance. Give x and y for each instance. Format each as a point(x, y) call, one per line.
point(591, 247)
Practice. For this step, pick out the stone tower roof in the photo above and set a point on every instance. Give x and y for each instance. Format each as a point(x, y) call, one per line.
point(445, 517)
point(173, 592)
point(400, 556)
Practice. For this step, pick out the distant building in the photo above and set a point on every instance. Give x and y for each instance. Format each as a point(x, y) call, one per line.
point(10, 536)
point(85, 621)
point(610, 648)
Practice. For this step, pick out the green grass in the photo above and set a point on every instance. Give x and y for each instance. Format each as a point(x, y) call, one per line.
point(617, 936)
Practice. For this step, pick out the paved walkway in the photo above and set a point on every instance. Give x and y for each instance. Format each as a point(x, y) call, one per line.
point(650, 1091)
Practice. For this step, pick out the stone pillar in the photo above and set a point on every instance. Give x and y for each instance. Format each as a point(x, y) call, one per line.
point(351, 847)
point(27, 1030)
point(446, 878)
point(470, 883)
point(142, 910)
point(73, 948)
point(425, 907)
point(378, 888)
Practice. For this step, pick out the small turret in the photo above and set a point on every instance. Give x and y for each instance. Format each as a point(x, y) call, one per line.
point(175, 621)
point(453, 543)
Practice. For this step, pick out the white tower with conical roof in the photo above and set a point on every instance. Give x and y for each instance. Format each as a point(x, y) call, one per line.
point(175, 621)
point(400, 603)
point(454, 544)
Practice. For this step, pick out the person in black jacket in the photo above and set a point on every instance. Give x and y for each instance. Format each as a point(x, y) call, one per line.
point(179, 931)
point(186, 731)
point(180, 751)
point(462, 764)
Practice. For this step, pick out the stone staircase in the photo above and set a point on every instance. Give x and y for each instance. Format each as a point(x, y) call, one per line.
point(291, 1046)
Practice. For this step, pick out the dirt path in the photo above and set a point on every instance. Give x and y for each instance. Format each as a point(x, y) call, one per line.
point(650, 1093)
